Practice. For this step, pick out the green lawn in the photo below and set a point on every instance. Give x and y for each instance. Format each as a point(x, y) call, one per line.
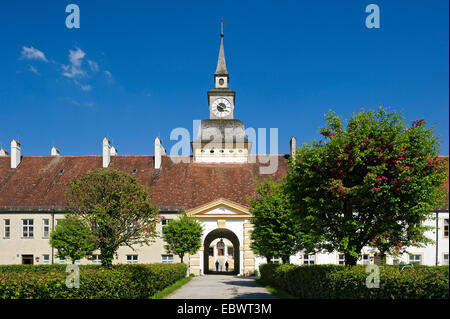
point(277, 292)
point(168, 290)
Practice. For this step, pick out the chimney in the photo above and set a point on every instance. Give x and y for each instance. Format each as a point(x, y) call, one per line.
point(159, 152)
point(15, 154)
point(113, 151)
point(106, 152)
point(54, 151)
point(293, 146)
point(3, 152)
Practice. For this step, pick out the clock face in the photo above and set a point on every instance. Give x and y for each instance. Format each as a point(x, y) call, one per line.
point(221, 107)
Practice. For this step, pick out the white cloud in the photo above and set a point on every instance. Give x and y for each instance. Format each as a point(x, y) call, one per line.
point(72, 101)
point(94, 66)
point(84, 87)
point(33, 54)
point(32, 69)
point(74, 70)
point(76, 57)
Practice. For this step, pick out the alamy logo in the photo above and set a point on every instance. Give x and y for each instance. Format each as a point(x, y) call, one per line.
point(73, 279)
point(373, 19)
point(231, 142)
point(373, 280)
point(73, 19)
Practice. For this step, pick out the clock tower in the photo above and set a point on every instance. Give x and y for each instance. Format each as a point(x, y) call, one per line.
point(221, 139)
point(221, 98)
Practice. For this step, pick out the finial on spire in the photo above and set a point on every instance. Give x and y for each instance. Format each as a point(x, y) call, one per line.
point(222, 24)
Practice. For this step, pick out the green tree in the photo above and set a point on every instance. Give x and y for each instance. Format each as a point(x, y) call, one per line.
point(370, 176)
point(275, 233)
point(117, 208)
point(183, 236)
point(73, 239)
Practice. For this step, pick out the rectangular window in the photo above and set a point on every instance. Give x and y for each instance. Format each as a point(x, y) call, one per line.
point(341, 259)
point(46, 259)
point(6, 228)
point(365, 259)
point(396, 261)
point(275, 260)
point(62, 261)
point(77, 262)
point(27, 228)
point(57, 221)
point(164, 223)
point(211, 251)
point(167, 259)
point(446, 227)
point(309, 259)
point(415, 259)
point(230, 251)
point(96, 259)
point(445, 259)
point(132, 259)
point(45, 228)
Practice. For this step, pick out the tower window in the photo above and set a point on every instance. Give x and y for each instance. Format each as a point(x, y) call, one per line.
point(221, 81)
point(211, 151)
point(231, 151)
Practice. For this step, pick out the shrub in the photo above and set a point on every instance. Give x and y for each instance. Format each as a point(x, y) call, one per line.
point(349, 282)
point(118, 281)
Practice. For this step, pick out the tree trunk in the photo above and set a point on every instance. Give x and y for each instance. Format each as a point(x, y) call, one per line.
point(107, 256)
point(285, 260)
point(350, 260)
point(181, 256)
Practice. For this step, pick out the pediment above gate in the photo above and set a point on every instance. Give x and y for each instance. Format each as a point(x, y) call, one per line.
point(220, 208)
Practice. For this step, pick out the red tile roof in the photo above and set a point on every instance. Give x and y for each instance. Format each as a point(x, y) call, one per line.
point(37, 181)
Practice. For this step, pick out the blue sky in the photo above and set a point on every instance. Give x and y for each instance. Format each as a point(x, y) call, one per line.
point(138, 69)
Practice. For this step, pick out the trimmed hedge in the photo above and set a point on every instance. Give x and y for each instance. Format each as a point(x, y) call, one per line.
point(349, 282)
point(40, 268)
point(120, 281)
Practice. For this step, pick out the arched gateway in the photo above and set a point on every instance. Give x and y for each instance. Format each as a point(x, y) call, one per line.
point(223, 220)
point(208, 257)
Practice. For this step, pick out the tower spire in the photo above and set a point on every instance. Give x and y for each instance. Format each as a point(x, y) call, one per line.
point(221, 65)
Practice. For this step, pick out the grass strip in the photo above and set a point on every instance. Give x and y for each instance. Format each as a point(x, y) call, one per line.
point(277, 292)
point(175, 286)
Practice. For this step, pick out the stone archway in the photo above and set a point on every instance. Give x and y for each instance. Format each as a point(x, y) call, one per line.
point(221, 233)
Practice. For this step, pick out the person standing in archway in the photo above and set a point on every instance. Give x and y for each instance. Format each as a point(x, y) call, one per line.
point(226, 266)
point(217, 265)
